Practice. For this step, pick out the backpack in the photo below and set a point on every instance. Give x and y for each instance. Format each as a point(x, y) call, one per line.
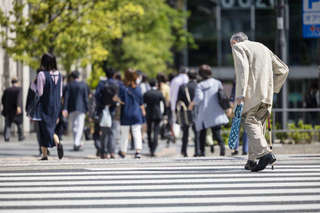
point(108, 92)
point(185, 117)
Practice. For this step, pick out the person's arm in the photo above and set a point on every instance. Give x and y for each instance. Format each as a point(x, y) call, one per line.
point(241, 64)
point(66, 101)
point(86, 97)
point(280, 73)
point(19, 102)
point(41, 80)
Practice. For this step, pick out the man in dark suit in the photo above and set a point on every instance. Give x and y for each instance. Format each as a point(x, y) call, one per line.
point(76, 104)
point(153, 99)
point(12, 109)
point(189, 88)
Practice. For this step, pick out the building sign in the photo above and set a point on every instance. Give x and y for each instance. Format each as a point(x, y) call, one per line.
point(246, 4)
point(311, 19)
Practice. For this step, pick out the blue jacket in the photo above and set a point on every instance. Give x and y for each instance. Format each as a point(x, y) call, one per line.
point(76, 97)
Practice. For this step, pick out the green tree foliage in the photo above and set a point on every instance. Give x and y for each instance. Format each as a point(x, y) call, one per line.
point(126, 33)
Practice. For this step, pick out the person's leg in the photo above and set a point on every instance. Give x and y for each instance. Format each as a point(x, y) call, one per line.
point(203, 134)
point(244, 143)
point(104, 141)
point(216, 134)
point(7, 129)
point(96, 138)
point(111, 139)
point(156, 130)
point(149, 134)
point(124, 137)
point(185, 138)
point(80, 121)
point(18, 121)
point(253, 122)
point(196, 141)
point(136, 134)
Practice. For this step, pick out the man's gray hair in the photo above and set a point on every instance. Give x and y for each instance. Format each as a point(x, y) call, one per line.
point(239, 37)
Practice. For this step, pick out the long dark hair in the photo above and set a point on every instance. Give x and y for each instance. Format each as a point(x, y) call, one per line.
point(48, 62)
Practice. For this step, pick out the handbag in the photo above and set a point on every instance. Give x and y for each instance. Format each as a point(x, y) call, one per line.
point(235, 127)
point(106, 120)
point(33, 105)
point(185, 117)
point(223, 99)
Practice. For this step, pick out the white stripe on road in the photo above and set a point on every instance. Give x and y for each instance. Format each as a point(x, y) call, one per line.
point(178, 201)
point(196, 179)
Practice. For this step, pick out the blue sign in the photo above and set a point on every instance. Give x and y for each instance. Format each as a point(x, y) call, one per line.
point(311, 19)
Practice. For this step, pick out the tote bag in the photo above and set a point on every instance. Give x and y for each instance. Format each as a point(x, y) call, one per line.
point(105, 120)
point(235, 127)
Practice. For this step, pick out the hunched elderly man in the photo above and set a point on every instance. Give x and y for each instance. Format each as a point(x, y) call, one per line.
point(259, 74)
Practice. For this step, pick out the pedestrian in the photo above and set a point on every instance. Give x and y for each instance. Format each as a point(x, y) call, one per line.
point(153, 99)
point(209, 112)
point(76, 105)
point(166, 131)
point(12, 109)
point(108, 92)
point(259, 74)
point(49, 88)
point(311, 102)
point(176, 82)
point(186, 95)
point(132, 113)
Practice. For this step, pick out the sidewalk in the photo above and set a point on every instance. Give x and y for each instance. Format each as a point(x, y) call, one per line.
point(28, 149)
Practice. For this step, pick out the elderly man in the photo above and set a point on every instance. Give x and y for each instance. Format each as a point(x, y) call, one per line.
point(259, 74)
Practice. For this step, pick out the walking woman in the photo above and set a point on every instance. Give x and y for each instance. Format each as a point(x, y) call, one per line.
point(49, 88)
point(132, 113)
point(210, 114)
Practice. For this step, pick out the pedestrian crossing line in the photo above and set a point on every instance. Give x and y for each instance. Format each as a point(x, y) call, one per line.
point(157, 195)
point(180, 209)
point(194, 187)
point(90, 179)
point(163, 193)
point(95, 175)
point(183, 187)
point(139, 182)
point(272, 200)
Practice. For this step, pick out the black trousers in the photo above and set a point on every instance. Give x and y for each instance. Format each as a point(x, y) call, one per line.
point(153, 126)
point(185, 137)
point(7, 126)
point(216, 134)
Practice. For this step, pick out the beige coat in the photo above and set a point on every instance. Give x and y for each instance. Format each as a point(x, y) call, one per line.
point(259, 73)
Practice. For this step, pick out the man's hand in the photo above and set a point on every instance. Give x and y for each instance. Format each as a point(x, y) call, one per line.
point(240, 100)
point(65, 113)
point(18, 110)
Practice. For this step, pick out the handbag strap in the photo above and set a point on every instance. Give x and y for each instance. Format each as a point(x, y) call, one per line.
point(187, 94)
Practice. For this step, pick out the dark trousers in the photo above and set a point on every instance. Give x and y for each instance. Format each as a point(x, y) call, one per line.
point(153, 126)
point(216, 134)
point(7, 127)
point(185, 137)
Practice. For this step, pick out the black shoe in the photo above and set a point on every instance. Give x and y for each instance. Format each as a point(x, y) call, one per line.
point(212, 149)
point(250, 165)
point(44, 158)
point(21, 138)
point(137, 155)
point(6, 139)
point(264, 161)
point(121, 154)
point(76, 148)
point(235, 152)
point(60, 150)
point(244, 153)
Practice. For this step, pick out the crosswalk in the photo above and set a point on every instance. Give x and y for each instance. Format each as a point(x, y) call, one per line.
point(197, 185)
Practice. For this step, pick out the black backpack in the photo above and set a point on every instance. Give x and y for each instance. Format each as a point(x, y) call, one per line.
point(108, 92)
